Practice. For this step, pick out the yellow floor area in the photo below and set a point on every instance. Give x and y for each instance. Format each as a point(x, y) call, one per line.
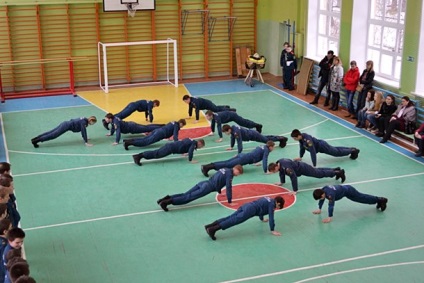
point(172, 106)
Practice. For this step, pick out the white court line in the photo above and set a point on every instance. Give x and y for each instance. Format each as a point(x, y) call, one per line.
point(130, 162)
point(324, 264)
point(195, 205)
point(360, 269)
point(128, 154)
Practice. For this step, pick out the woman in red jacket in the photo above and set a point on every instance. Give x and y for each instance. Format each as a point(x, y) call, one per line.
point(419, 140)
point(351, 80)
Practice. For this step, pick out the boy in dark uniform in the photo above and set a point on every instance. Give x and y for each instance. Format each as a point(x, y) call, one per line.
point(295, 169)
point(314, 146)
point(186, 147)
point(122, 127)
point(74, 125)
point(289, 68)
point(242, 134)
point(224, 177)
point(165, 132)
point(145, 106)
point(261, 207)
point(335, 193)
point(199, 103)
point(227, 116)
point(259, 154)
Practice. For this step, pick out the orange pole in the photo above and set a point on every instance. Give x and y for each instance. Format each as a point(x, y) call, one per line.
point(206, 40)
point(180, 41)
point(72, 78)
point(40, 47)
point(154, 49)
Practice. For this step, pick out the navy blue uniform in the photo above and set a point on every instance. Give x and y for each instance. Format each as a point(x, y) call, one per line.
point(73, 125)
point(260, 153)
point(167, 131)
point(334, 193)
point(183, 146)
point(145, 106)
point(204, 104)
point(289, 68)
point(3, 244)
point(295, 169)
point(242, 134)
point(123, 127)
point(314, 146)
point(223, 177)
point(228, 116)
point(261, 207)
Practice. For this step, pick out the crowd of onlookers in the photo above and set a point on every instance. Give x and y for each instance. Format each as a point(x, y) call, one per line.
point(374, 112)
point(13, 267)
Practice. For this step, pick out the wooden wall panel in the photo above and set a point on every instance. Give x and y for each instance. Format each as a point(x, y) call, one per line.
point(73, 30)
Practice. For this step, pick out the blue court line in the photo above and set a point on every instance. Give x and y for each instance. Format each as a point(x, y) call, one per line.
point(25, 104)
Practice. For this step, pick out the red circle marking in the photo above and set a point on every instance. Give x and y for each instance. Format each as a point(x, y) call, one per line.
point(244, 193)
point(194, 133)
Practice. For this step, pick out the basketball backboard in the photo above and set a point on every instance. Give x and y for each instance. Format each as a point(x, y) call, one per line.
point(121, 5)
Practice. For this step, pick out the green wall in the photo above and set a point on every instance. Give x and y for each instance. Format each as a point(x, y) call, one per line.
point(271, 13)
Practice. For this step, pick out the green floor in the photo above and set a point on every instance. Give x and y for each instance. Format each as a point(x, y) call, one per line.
point(90, 214)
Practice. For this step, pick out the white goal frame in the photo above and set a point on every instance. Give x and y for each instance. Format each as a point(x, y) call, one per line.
point(102, 56)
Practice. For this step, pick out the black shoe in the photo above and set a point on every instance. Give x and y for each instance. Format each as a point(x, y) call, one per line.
point(418, 154)
point(204, 170)
point(232, 109)
point(137, 158)
point(337, 169)
point(163, 204)
point(34, 142)
point(382, 204)
point(357, 125)
point(379, 134)
point(259, 128)
point(105, 124)
point(210, 225)
point(355, 153)
point(283, 142)
point(383, 141)
point(313, 102)
point(126, 144)
point(211, 232)
point(340, 174)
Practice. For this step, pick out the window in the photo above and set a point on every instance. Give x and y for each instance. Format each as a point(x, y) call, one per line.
point(324, 33)
point(385, 37)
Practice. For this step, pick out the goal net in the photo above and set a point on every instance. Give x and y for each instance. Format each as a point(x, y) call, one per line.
point(135, 63)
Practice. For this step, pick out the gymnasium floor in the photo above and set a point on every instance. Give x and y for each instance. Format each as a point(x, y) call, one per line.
point(90, 213)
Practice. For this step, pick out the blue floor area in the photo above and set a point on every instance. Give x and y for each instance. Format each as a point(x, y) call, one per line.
point(25, 104)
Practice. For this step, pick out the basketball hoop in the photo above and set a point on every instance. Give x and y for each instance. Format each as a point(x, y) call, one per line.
point(131, 9)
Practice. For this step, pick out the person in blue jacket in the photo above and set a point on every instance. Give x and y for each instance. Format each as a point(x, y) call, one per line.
point(73, 125)
point(165, 132)
point(186, 147)
point(335, 193)
point(199, 103)
point(257, 155)
point(145, 106)
point(122, 127)
point(224, 177)
point(314, 146)
point(223, 117)
point(295, 169)
point(261, 207)
point(242, 134)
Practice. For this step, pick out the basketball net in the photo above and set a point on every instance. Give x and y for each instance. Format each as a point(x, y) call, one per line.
point(131, 9)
